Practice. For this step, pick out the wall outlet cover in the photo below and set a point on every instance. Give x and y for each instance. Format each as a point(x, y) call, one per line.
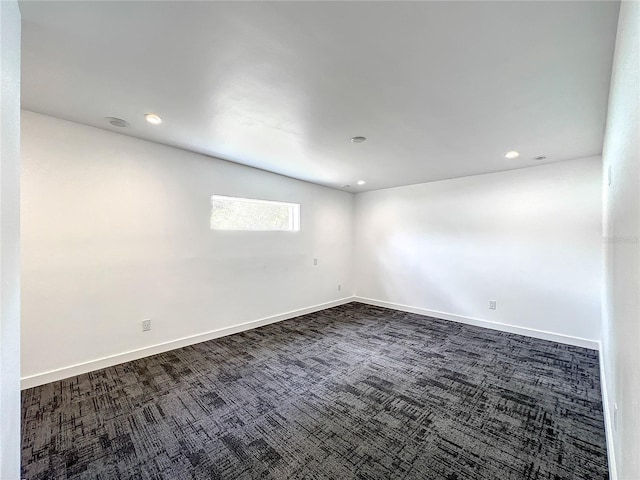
point(146, 325)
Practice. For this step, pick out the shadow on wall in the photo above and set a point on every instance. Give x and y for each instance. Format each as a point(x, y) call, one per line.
point(529, 239)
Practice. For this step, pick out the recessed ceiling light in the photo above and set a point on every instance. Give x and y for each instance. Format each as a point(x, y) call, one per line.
point(361, 182)
point(540, 157)
point(358, 139)
point(512, 154)
point(153, 119)
point(117, 122)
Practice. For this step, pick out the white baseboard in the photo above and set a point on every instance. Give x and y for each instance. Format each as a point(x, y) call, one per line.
point(608, 421)
point(504, 327)
point(85, 367)
point(111, 360)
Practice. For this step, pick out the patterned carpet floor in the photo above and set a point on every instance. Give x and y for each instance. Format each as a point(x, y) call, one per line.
point(352, 392)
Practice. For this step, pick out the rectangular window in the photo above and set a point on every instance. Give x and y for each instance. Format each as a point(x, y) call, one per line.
point(235, 213)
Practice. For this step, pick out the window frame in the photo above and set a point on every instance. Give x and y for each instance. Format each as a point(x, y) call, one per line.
point(294, 213)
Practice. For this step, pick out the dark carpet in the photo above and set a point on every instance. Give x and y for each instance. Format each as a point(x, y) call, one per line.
point(352, 392)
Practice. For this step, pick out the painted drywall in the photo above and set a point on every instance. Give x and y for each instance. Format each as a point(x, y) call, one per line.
point(116, 230)
point(283, 85)
point(621, 218)
point(530, 239)
point(9, 240)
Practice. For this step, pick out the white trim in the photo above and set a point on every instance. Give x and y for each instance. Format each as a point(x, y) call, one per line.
point(608, 421)
point(111, 360)
point(294, 212)
point(504, 327)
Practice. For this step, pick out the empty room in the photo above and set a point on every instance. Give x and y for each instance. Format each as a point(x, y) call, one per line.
point(329, 240)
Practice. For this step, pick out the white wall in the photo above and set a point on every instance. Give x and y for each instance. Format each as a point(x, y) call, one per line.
point(116, 230)
point(529, 239)
point(621, 312)
point(9, 240)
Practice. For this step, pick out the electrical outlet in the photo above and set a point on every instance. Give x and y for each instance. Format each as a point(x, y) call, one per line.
point(339, 287)
point(315, 261)
point(492, 304)
point(146, 325)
